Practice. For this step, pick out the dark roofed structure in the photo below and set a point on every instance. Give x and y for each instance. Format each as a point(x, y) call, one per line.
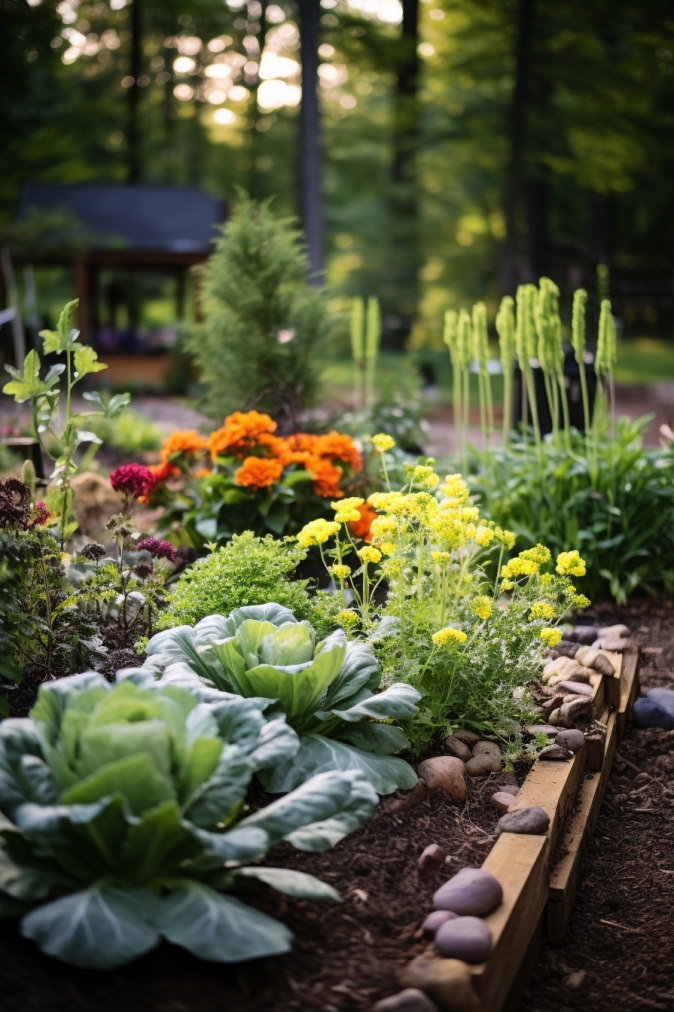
point(132, 217)
point(121, 226)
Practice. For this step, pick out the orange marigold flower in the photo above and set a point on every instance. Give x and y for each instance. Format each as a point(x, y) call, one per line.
point(187, 441)
point(160, 473)
point(361, 528)
point(325, 476)
point(240, 433)
point(277, 447)
point(203, 472)
point(258, 472)
point(302, 442)
point(338, 446)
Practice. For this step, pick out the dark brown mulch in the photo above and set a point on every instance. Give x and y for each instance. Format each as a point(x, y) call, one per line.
point(619, 950)
point(345, 956)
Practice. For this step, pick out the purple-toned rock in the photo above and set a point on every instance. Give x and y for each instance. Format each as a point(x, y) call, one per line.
point(565, 648)
point(541, 729)
point(457, 748)
point(487, 748)
point(409, 1000)
point(467, 737)
point(578, 688)
point(532, 820)
point(435, 919)
point(502, 801)
point(555, 752)
point(614, 630)
point(471, 891)
point(509, 788)
point(466, 938)
point(664, 698)
point(573, 739)
point(583, 634)
point(432, 858)
point(614, 644)
point(648, 712)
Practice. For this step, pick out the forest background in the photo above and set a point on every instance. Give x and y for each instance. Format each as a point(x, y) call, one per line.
point(466, 145)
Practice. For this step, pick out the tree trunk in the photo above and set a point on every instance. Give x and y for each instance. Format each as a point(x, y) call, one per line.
point(133, 132)
point(405, 240)
point(310, 152)
point(510, 275)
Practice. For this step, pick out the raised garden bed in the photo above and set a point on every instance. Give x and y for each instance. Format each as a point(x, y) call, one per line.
point(351, 955)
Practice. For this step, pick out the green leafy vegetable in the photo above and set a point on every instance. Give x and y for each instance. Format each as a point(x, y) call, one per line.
point(120, 820)
point(328, 691)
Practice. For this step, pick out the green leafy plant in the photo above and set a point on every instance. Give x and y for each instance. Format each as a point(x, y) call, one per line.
point(121, 820)
point(80, 360)
point(328, 691)
point(263, 322)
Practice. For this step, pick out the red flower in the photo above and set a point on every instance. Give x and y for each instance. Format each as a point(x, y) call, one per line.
point(158, 549)
point(132, 480)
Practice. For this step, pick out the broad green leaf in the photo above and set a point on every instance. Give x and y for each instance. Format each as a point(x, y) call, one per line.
point(64, 336)
point(237, 845)
point(328, 796)
point(213, 800)
point(360, 669)
point(27, 384)
point(199, 765)
point(317, 754)
point(299, 687)
point(213, 627)
point(99, 928)
point(26, 884)
point(293, 643)
point(249, 638)
point(399, 700)
point(38, 781)
point(225, 657)
point(383, 739)
point(157, 845)
point(86, 361)
point(178, 644)
point(293, 883)
point(218, 928)
point(136, 777)
point(276, 614)
point(53, 697)
point(86, 437)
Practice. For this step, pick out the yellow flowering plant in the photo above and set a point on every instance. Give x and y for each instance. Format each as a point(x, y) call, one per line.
point(446, 607)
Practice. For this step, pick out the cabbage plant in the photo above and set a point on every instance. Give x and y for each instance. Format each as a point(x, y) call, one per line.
point(122, 821)
point(328, 691)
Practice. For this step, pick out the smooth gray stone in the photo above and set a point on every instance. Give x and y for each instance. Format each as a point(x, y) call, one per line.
point(457, 748)
point(409, 1000)
point(648, 712)
point(572, 738)
point(578, 688)
point(555, 752)
point(435, 919)
point(432, 857)
point(532, 820)
point(471, 891)
point(466, 938)
point(586, 634)
point(565, 648)
point(664, 698)
point(482, 764)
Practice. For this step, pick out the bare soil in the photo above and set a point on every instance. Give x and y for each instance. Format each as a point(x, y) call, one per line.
point(619, 950)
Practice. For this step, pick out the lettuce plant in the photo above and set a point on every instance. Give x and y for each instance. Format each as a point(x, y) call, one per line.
point(121, 820)
point(327, 690)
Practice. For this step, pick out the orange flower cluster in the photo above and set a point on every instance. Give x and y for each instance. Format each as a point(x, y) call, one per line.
point(160, 474)
point(240, 433)
point(258, 472)
point(185, 441)
point(361, 528)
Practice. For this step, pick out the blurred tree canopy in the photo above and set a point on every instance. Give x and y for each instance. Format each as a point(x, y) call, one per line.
point(467, 144)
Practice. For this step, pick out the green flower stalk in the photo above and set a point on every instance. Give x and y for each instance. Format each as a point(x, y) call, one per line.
point(607, 353)
point(357, 349)
point(451, 338)
point(481, 353)
point(551, 352)
point(372, 339)
point(526, 346)
point(505, 327)
point(578, 342)
point(464, 351)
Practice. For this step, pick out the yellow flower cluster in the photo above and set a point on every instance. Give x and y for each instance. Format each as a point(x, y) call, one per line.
point(382, 442)
point(345, 505)
point(507, 585)
point(425, 476)
point(541, 610)
point(441, 557)
point(455, 488)
point(350, 517)
point(382, 527)
point(506, 538)
point(483, 536)
point(540, 554)
point(388, 548)
point(519, 567)
point(317, 532)
point(551, 637)
point(340, 572)
point(580, 601)
point(482, 606)
point(346, 618)
point(448, 637)
point(570, 564)
point(369, 554)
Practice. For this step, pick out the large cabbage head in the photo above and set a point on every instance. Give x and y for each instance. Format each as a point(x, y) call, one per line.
point(121, 820)
point(329, 691)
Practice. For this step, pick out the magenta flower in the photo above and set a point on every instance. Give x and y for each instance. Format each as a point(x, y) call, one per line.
point(132, 480)
point(158, 549)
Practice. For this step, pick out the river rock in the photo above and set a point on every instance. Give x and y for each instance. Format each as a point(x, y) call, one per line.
point(447, 981)
point(409, 1000)
point(578, 688)
point(583, 634)
point(664, 698)
point(509, 787)
point(613, 643)
point(648, 712)
point(614, 630)
point(571, 739)
point(552, 704)
point(480, 765)
point(533, 820)
point(471, 891)
point(555, 752)
point(432, 858)
point(467, 737)
point(446, 774)
point(486, 748)
point(592, 658)
point(577, 673)
point(565, 648)
point(502, 801)
point(435, 919)
point(457, 748)
point(569, 713)
point(466, 938)
point(541, 728)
